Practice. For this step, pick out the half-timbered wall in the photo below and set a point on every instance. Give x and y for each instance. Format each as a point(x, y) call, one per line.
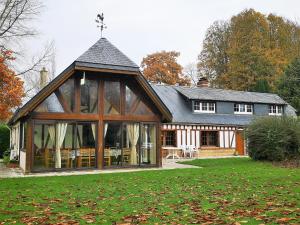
point(191, 134)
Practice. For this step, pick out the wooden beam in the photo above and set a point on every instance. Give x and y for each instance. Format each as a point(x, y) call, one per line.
point(140, 118)
point(77, 99)
point(125, 72)
point(100, 146)
point(65, 116)
point(29, 145)
point(62, 101)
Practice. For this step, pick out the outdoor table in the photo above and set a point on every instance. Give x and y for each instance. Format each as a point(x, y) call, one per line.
point(172, 152)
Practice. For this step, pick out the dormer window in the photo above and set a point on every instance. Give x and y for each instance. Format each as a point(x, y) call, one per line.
point(275, 110)
point(204, 107)
point(243, 108)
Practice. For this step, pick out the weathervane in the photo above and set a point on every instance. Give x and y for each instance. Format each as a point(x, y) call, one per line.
point(99, 20)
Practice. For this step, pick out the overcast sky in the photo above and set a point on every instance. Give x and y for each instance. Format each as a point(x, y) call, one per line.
point(139, 27)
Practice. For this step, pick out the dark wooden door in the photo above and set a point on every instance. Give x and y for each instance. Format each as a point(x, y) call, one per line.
point(240, 144)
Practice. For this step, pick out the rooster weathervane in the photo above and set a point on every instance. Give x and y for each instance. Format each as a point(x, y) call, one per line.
point(101, 24)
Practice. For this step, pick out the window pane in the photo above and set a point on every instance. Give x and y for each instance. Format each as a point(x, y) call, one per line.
point(196, 105)
point(211, 107)
point(270, 109)
point(131, 133)
point(279, 109)
point(51, 104)
point(112, 144)
point(131, 100)
point(148, 147)
point(203, 138)
point(67, 91)
point(249, 108)
point(86, 145)
point(236, 107)
point(204, 106)
point(112, 97)
point(242, 108)
point(170, 138)
point(89, 96)
point(44, 147)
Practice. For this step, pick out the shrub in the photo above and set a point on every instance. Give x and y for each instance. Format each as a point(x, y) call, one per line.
point(4, 139)
point(274, 139)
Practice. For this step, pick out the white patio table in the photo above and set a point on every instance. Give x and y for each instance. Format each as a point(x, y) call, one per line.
point(172, 152)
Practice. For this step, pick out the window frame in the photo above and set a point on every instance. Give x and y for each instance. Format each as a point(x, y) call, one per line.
point(274, 110)
point(204, 106)
point(244, 106)
point(164, 141)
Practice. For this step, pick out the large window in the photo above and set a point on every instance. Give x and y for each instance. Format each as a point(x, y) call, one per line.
point(275, 110)
point(204, 107)
point(50, 104)
point(62, 100)
point(89, 96)
point(209, 138)
point(169, 138)
point(112, 97)
point(64, 145)
point(135, 105)
point(129, 144)
point(243, 108)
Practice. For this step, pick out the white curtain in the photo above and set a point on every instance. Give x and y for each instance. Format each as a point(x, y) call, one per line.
point(94, 130)
point(153, 144)
point(145, 149)
point(51, 130)
point(61, 129)
point(133, 134)
point(105, 129)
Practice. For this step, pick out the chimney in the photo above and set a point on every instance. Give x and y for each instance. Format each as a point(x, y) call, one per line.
point(43, 77)
point(202, 82)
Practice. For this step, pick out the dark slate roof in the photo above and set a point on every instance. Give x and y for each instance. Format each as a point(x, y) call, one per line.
point(181, 109)
point(104, 55)
point(205, 93)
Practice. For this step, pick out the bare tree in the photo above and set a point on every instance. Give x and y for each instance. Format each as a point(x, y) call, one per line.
point(15, 20)
point(190, 71)
point(31, 75)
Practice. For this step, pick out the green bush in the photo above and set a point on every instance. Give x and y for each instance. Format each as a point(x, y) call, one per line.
point(274, 139)
point(4, 139)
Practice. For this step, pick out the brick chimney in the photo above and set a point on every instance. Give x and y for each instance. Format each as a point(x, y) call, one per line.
point(202, 82)
point(43, 77)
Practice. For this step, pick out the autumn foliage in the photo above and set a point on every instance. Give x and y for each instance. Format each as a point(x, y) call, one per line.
point(248, 49)
point(11, 87)
point(162, 67)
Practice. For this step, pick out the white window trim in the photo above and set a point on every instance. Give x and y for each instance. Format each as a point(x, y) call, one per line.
point(276, 107)
point(245, 106)
point(205, 111)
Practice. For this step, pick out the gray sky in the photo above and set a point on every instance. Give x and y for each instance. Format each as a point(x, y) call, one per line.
point(142, 27)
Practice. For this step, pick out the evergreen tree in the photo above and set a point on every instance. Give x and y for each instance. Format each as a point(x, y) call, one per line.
point(289, 84)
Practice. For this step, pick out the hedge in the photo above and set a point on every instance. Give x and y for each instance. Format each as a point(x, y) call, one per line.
point(274, 139)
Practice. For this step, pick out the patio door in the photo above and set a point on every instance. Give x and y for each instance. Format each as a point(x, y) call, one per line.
point(129, 144)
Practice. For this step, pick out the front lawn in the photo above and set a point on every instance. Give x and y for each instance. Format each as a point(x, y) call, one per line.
point(223, 191)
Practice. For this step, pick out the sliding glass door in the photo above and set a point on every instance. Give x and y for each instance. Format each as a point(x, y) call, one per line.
point(129, 144)
point(64, 145)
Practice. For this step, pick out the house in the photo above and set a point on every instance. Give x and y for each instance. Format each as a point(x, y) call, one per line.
point(100, 112)
point(213, 120)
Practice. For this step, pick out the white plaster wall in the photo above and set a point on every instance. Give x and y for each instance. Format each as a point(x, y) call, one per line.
point(178, 138)
point(221, 138)
point(22, 160)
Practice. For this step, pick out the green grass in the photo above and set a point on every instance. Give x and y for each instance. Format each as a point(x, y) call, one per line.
point(223, 191)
